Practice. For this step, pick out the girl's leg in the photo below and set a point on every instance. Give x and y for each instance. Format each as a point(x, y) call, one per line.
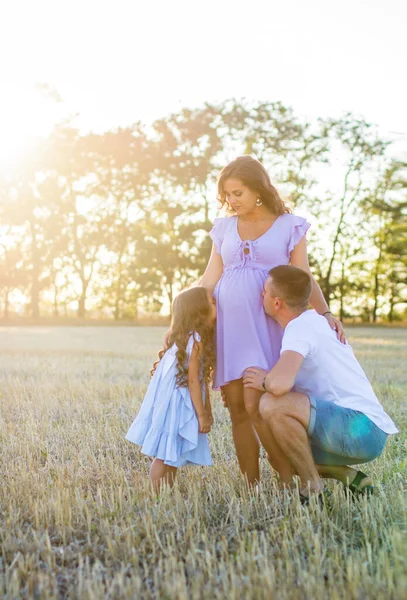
point(276, 458)
point(244, 437)
point(157, 474)
point(161, 474)
point(170, 474)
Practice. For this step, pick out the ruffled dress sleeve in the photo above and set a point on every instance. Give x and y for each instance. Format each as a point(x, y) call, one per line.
point(194, 337)
point(217, 233)
point(299, 228)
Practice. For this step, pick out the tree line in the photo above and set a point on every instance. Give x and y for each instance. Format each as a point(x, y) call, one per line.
point(116, 222)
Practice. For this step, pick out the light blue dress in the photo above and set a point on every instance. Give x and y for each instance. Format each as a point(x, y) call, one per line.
point(167, 425)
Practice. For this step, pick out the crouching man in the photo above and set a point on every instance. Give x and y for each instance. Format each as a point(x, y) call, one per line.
point(321, 411)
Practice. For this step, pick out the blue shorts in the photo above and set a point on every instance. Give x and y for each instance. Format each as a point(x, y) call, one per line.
point(342, 436)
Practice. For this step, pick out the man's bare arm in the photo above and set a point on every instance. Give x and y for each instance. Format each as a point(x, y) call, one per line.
point(280, 379)
point(282, 376)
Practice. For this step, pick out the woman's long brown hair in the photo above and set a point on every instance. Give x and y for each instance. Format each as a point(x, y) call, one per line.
point(191, 312)
point(254, 176)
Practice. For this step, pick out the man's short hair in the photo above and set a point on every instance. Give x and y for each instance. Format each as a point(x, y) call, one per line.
point(291, 284)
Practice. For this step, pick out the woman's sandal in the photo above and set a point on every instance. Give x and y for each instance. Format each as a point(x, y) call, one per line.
point(356, 489)
point(322, 498)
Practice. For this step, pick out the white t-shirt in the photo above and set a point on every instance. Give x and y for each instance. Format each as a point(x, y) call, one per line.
point(330, 370)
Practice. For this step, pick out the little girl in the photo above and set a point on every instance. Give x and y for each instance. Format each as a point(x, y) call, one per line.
point(176, 413)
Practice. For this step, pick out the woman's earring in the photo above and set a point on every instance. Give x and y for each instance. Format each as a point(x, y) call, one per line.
point(259, 202)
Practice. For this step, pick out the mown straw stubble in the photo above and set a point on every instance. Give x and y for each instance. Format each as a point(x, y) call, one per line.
point(77, 519)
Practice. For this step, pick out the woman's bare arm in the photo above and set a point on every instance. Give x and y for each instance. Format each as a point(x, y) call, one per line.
point(213, 271)
point(209, 279)
point(299, 258)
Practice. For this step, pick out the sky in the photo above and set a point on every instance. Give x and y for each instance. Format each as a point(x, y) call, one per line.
point(117, 62)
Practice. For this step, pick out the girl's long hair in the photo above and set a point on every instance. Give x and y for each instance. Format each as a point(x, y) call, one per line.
point(191, 312)
point(254, 176)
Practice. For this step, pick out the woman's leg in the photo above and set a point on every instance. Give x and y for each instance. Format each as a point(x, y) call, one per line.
point(276, 458)
point(244, 437)
point(344, 474)
point(161, 473)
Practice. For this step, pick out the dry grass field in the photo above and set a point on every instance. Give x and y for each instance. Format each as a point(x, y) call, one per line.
point(77, 521)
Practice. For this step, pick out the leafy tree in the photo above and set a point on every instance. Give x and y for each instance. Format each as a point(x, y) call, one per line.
point(12, 272)
point(388, 205)
point(361, 150)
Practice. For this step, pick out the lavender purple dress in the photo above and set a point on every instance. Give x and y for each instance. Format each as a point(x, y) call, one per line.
point(245, 335)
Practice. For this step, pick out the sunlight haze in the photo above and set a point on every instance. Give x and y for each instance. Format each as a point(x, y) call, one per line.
point(117, 63)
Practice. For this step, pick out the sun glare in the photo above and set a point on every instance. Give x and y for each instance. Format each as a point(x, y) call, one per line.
point(24, 117)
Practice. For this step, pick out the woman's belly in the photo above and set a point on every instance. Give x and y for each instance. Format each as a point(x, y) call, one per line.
point(240, 289)
point(245, 335)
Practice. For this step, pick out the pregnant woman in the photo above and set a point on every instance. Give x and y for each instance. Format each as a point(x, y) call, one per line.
point(259, 234)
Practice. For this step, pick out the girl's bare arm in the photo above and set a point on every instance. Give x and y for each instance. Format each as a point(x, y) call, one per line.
point(208, 404)
point(194, 386)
